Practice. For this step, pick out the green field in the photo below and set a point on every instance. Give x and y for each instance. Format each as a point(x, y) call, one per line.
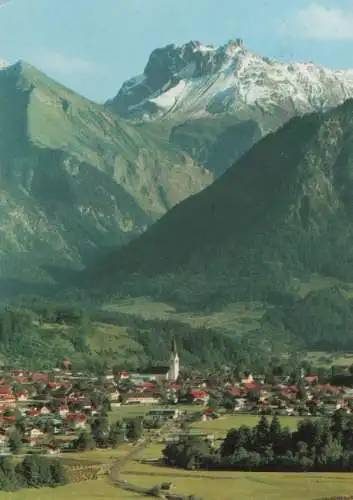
point(90, 490)
point(210, 486)
point(322, 358)
point(207, 485)
point(221, 425)
point(236, 316)
point(239, 316)
point(245, 485)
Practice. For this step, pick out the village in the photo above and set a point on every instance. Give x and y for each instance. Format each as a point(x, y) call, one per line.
point(52, 409)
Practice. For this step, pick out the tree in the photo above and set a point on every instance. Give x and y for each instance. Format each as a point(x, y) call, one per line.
point(301, 390)
point(100, 399)
point(338, 423)
point(117, 434)
point(134, 428)
point(331, 454)
point(187, 453)
point(275, 433)
point(262, 433)
point(35, 470)
point(9, 480)
point(84, 442)
point(100, 430)
point(15, 442)
point(58, 473)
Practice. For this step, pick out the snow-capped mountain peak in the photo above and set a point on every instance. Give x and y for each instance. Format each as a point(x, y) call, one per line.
point(198, 80)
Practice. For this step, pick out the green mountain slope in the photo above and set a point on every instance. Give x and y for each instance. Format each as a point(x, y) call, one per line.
point(214, 142)
point(283, 211)
point(74, 178)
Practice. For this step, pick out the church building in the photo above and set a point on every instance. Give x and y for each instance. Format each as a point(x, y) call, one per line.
point(162, 373)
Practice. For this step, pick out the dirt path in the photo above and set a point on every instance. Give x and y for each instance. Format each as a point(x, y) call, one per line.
point(119, 465)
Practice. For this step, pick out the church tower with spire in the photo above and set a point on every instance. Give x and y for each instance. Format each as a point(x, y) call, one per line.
point(173, 373)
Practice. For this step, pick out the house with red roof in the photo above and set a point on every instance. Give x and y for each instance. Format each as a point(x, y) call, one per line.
point(55, 385)
point(22, 395)
point(44, 410)
point(199, 396)
point(233, 392)
point(33, 412)
point(5, 390)
point(40, 377)
point(76, 421)
point(312, 379)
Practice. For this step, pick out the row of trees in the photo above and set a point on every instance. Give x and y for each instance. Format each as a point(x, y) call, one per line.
point(105, 435)
point(316, 445)
point(33, 471)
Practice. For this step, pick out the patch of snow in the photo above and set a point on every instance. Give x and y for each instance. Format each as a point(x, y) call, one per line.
point(244, 78)
point(205, 48)
point(169, 98)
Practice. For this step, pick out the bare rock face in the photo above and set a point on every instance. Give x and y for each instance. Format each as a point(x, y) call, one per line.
point(196, 80)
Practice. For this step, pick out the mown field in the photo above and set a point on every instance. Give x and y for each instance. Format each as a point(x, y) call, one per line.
point(210, 486)
point(221, 425)
point(244, 485)
point(90, 490)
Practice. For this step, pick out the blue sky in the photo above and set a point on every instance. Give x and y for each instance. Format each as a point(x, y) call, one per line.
point(92, 46)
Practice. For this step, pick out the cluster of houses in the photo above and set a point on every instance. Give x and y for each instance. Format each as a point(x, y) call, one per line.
point(47, 405)
point(251, 395)
point(57, 405)
point(307, 398)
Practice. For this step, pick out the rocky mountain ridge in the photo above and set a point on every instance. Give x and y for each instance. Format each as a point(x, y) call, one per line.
point(198, 80)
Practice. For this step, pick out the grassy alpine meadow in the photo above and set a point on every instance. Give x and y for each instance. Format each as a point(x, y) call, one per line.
point(240, 316)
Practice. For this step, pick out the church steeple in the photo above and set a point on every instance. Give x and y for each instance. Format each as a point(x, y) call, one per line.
point(173, 373)
point(174, 347)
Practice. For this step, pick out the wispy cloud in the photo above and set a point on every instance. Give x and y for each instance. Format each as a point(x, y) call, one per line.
point(319, 22)
point(62, 63)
